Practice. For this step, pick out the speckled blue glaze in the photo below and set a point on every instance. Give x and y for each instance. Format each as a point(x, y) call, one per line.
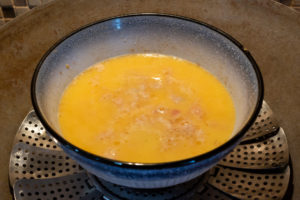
point(195, 41)
point(147, 178)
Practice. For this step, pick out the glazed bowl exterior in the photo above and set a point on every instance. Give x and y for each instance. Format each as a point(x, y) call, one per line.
point(192, 40)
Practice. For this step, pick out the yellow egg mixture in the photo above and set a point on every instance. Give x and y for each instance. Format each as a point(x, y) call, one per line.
point(146, 108)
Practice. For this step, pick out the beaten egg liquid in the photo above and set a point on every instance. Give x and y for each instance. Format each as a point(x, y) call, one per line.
point(146, 108)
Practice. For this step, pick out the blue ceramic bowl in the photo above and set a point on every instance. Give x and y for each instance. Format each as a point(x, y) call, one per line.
point(192, 40)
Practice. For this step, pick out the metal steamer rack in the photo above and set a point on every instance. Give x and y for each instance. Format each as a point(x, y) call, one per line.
point(257, 169)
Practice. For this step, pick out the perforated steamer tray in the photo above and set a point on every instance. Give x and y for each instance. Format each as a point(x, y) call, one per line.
point(257, 169)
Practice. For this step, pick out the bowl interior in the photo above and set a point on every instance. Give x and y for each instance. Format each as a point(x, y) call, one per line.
point(146, 34)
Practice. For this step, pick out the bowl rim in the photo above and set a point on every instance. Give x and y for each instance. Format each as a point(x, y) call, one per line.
point(136, 165)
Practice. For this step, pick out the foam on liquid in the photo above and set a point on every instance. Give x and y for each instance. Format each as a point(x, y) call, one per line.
point(146, 108)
